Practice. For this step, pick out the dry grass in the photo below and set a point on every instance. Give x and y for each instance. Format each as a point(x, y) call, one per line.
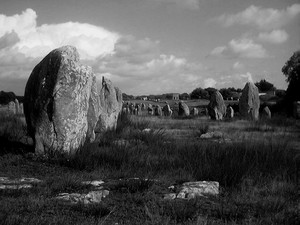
point(258, 170)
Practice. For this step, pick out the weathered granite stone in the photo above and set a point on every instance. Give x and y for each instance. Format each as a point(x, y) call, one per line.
point(158, 111)
point(57, 102)
point(167, 110)
point(249, 102)
point(183, 109)
point(110, 105)
point(190, 190)
point(194, 112)
point(229, 112)
point(266, 113)
point(216, 107)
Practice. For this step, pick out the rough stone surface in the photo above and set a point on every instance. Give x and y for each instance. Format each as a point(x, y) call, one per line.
point(190, 190)
point(249, 102)
point(229, 112)
point(183, 109)
point(15, 184)
point(266, 113)
point(167, 110)
point(110, 105)
point(57, 99)
point(216, 107)
point(158, 111)
point(89, 198)
point(150, 110)
point(194, 112)
point(214, 134)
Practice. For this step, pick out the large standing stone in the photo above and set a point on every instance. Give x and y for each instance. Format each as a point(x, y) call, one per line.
point(110, 106)
point(183, 109)
point(249, 102)
point(61, 105)
point(216, 107)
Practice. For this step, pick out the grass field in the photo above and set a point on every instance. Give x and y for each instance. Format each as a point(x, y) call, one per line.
point(256, 163)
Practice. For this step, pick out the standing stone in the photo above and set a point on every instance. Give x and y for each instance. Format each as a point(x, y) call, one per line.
point(183, 109)
point(249, 102)
point(110, 105)
point(17, 106)
point(158, 111)
point(61, 104)
point(229, 112)
point(266, 113)
point(194, 112)
point(167, 110)
point(12, 107)
point(216, 107)
point(296, 110)
point(143, 106)
point(150, 110)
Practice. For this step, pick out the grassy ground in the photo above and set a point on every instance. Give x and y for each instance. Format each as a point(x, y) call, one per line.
point(256, 163)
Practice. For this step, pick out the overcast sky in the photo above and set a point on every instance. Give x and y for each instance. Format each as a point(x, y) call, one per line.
point(153, 46)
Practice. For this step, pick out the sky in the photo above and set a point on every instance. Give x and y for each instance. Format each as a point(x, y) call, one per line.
point(153, 46)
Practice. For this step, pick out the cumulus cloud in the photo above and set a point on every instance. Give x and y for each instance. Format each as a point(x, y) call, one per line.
point(209, 82)
point(188, 4)
point(263, 18)
point(275, 36)
point(238, 66)
point(138, 66)
point(36, 41)
point(243, 48)
point(248, 76)
point(135, 65)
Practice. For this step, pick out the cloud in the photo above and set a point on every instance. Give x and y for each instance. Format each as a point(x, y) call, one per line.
point(209, 82)
point(263, 18)
point(248, 76)
point(240, 48)
point(274, 37)
point(187, 4)
point(8, 40)
point(36, 41)
point(238, 66)
point(138, 66)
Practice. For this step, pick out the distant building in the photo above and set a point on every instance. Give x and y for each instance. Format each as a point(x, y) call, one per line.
point(175, 96)
point(144, 98)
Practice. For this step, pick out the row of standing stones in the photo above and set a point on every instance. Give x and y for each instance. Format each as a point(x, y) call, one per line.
point(65, 105)
point(15, 107)
point(249, 105)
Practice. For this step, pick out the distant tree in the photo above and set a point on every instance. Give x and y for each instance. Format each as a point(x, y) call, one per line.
point(199, 93)
point(291, 70)
point(127, 97)
point(264, 86)
point(210, 90)
point(226, 93)
point(184, 96)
